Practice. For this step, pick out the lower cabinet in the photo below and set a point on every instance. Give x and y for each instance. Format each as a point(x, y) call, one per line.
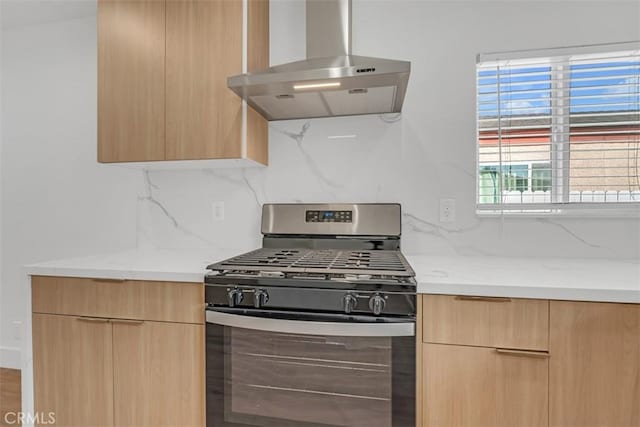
point(587, 375)
point(478, 386)
point(117, 371)
point(595, 365)
point(73, 369)
point(158, 374)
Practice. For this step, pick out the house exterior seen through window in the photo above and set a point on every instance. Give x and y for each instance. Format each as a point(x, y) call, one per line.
point(559, 128)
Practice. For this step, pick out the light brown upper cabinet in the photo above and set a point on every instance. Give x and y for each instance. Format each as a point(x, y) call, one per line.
point(131, 80)
point(162, 79)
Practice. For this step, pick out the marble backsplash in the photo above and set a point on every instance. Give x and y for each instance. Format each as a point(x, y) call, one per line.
point(378, 158)
point(426, 154)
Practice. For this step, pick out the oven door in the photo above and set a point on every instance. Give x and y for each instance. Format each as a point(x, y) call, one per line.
point(273, 370)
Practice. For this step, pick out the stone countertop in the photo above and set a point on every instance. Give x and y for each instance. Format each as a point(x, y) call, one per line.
point(172, 265)
point(546, 278)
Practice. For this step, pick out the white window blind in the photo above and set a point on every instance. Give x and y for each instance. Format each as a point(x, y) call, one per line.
point(559, 129)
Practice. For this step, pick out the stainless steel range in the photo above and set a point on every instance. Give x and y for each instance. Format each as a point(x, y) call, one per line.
point(317, 327)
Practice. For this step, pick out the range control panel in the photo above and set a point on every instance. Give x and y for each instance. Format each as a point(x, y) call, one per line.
point(329, 216)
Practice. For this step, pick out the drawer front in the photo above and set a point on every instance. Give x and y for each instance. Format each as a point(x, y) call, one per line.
point(478, 386)
point(488, 322)
point(129, 299)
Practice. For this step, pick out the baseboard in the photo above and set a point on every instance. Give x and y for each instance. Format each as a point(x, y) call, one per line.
point(10, 358)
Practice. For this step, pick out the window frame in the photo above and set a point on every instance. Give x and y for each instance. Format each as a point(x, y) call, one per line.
point(560, 111)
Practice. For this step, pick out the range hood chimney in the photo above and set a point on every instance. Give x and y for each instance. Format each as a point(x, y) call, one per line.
point(328, 28)
point(331, 81)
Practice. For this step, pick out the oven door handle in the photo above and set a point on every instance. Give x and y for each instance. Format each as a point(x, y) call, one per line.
point(310, 327)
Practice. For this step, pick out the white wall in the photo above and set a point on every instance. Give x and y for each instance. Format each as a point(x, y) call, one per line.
point(4, 352)
point(56, 200)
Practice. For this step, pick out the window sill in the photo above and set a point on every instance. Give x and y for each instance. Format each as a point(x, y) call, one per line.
point(630, 211)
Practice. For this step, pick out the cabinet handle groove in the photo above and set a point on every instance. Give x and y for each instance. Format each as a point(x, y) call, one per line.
point(128, 321)
point(506, 351)
point(487, 299)
point(92, 319)
point(109, 280)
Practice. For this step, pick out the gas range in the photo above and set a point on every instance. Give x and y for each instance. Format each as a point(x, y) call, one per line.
point(338, 261)
point(323, 315)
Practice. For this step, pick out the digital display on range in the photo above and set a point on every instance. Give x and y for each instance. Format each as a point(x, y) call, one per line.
point(329, 216)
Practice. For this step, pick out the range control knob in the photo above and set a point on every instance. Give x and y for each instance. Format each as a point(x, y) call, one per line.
point(234, 297)
point(260, 298)
point(349, 303)
point(376, 304)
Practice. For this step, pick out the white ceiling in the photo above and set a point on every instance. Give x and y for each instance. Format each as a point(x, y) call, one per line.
point(19, 13)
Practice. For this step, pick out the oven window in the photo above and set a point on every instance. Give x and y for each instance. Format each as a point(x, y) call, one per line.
point(270, 379)
point(339, 381)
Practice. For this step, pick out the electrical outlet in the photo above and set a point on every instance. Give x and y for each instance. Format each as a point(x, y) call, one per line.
point(217, 210)
point(447, 210)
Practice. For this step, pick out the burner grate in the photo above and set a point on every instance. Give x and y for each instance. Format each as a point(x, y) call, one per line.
point(329, 261)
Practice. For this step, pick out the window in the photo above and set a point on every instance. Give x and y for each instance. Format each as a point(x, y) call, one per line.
point(559, 129)
point(541, 177)
point(515, 178)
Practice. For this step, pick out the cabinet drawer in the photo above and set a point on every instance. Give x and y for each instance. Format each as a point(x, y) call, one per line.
point(488, 322)
point(477, 386)
point(129, 299)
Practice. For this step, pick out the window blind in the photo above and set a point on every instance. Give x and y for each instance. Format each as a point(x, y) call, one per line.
point(559, 128)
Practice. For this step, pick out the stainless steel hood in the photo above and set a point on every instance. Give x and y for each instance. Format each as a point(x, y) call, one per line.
point(331, 81)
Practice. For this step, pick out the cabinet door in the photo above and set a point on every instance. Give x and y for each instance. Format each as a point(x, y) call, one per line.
point(73, 369)
point(158, 374)
point(458, 384)
point(204, 47)
point(522, 388)
point(595, 364)
point(131, 80)
point(479, 386)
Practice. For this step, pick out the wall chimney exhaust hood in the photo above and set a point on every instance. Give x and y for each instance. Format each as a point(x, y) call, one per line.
point(331, 81)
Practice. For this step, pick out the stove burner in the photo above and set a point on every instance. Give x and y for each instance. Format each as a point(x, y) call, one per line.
point(329, 261)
